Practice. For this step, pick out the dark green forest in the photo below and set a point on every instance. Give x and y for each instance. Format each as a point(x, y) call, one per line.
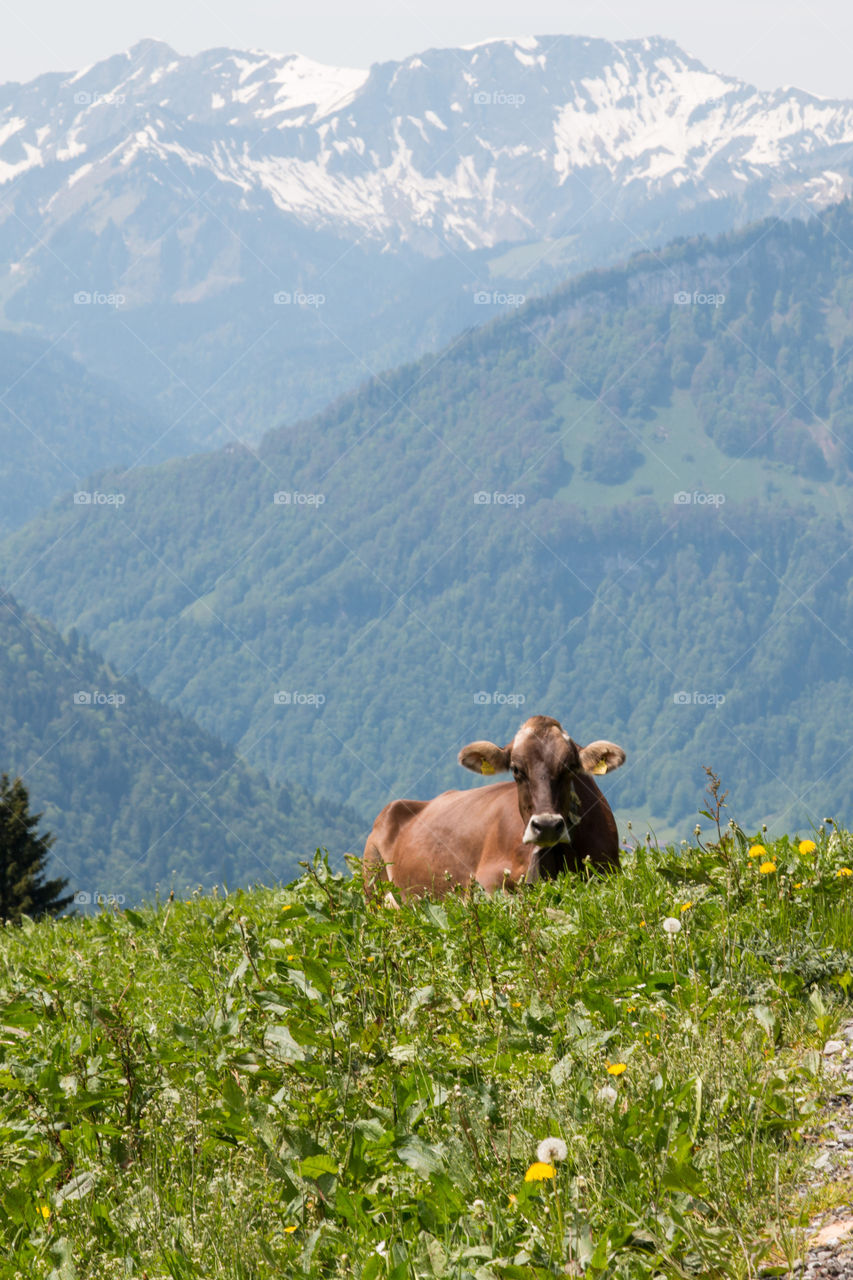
point(137, 796)
point(627, 506)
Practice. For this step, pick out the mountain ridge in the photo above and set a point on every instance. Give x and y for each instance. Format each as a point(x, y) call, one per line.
point(240, 236)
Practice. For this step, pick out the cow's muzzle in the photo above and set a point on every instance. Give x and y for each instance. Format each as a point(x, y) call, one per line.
point(546, 829)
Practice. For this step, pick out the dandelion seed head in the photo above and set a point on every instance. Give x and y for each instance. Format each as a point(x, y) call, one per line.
point(551, 1150)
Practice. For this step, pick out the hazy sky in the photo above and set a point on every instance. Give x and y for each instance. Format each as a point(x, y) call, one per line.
point(768, 42)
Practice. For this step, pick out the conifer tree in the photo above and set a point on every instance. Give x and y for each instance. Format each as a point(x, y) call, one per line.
point(23, 857)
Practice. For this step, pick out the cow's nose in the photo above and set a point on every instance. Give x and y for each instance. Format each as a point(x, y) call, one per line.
point(548, 825)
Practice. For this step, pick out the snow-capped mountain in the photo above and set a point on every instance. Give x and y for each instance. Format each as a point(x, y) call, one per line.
point(192, 191)
point(465, 147)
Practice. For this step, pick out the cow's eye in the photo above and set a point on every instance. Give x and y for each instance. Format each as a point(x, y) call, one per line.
point(517, 773)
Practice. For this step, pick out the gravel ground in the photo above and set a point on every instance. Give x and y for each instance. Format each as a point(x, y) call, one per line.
point(830, 1248)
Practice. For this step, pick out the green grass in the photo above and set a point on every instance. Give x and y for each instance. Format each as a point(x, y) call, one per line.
point(294, 1082)
point(682, 457)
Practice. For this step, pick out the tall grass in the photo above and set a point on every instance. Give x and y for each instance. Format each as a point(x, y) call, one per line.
point(294, 1082)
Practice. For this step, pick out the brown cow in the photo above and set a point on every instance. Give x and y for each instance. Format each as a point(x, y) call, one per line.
point(551, 818)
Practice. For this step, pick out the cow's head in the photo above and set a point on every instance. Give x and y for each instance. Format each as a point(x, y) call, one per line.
point(544, 761)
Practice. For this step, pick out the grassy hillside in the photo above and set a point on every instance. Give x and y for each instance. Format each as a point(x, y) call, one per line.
point(628, 506)
point(59, 423)
point(293, 1083)
point(137, 795)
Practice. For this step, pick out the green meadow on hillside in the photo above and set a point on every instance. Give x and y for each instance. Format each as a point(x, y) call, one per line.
point(296, 1082)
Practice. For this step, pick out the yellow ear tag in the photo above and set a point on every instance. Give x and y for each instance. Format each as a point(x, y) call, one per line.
point(601, 767)
point(485, 767)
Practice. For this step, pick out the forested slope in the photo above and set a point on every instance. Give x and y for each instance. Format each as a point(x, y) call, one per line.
point(627, 506)
point(137, 795)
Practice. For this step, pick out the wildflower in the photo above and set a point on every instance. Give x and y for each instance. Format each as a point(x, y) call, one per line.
point(478, 1208)
point(767, 868)
point(616, 1068)
point(671, 925)
point(686, 907)
point(756, 851)
point(551, 1150)
point(807, 846)
point(844, 871)
point(44, 1210)
point(287, 906)
point(381, 1249)
point(289, 1230)
point(642, 924)
point(539, 1171)
point(513, 1200)
point(799, 885)
point(607, 1094)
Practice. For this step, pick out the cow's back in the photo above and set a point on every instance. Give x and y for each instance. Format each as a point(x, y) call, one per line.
point(430, 846)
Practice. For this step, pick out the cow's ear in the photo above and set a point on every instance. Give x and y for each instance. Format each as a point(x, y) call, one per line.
point(484, 757)
point(601, 757)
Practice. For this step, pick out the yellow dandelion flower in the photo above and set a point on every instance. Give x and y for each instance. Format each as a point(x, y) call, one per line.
point(799, 886)
point(844, 871)
point(616, 1068)
point(287, 906)
point(642, 924)
point(686, 906)
point(807, 846)
point(289, 1230)
point(538, 1172)
point(767, 868)
point(44, 1210)
point(757, 851)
